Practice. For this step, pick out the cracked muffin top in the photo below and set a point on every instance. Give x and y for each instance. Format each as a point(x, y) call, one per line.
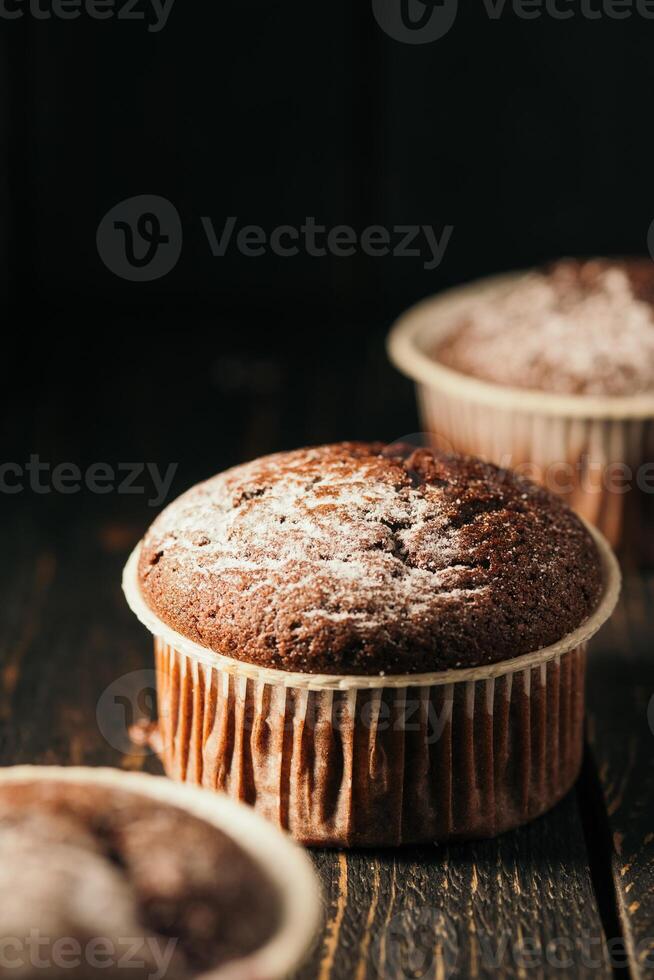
point(577, 327)
point(357, 558)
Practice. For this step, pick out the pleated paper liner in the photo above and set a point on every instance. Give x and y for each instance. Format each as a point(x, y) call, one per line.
point(585, 449)
point(375, 761)
point(283, 863)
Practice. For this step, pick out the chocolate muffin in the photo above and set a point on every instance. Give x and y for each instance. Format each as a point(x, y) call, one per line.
point(89, 866)
point(373, 645)
point(356, 559)
point(122, 874)
point(577, 327)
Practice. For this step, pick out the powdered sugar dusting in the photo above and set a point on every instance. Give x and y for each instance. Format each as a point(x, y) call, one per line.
point(581, 329)
point(353, 559)
point(343, 529)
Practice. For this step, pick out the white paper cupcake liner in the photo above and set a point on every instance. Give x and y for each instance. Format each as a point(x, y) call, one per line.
point(372, 761)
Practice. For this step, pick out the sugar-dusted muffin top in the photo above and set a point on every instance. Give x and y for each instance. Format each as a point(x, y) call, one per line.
point(87, 863)
point(579, 327)
point(356, 559)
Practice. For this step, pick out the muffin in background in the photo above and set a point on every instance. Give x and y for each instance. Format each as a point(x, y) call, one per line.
point(579, 328)
point(550, 372)
point(370, 645)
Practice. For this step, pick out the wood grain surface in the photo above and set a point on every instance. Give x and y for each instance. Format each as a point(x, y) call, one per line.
point(553, 899)
point(621, 734)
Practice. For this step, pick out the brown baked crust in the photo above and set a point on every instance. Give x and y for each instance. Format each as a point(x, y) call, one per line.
point(575, 327)
point(359, 559)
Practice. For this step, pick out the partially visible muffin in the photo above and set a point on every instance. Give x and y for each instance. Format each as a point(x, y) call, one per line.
point(576, 327)
point(358, 559)
point(88, 866)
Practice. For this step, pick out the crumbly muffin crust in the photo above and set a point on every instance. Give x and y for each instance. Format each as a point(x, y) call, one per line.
point(582, 328)
point(354, 558)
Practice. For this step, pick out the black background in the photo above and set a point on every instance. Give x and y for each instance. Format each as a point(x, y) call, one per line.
point(533, 138)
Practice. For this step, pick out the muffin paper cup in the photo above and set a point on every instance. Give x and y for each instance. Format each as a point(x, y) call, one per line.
point(281, 861)
point(585, 449)
point(377, 760)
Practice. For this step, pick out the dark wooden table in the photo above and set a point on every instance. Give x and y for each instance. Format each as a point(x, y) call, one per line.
point(571, 895)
